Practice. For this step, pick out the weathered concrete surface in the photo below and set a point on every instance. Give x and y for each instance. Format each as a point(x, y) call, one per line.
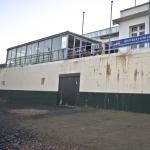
point(115, 73)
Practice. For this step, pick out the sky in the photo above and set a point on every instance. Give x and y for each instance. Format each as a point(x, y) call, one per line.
point(22, 21)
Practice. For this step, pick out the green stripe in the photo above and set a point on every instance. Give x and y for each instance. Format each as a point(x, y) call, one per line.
point(29, 97)
point(118, 101)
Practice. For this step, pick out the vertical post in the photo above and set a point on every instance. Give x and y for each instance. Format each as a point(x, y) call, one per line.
point(135, 2)
point(110, 26)
point(83, 22)
point(149, 21)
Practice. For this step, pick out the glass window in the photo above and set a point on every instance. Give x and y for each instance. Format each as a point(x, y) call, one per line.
point(34, 48)
point(9, 54)
point(71, 41)
point(29, 49)
point(19, 52)
point(142, 27)
point(142, 33)
point(56, 44)
point(55, 55)
point(134, 34)
point(77, 43)
point(137, 30)
point(83, 43)
point(83, 48)
point(41, 46)
point(134, 28)
point(13, 53)
point(23, 51)
point(142, 44)
point(41, 58)
point(47, 46)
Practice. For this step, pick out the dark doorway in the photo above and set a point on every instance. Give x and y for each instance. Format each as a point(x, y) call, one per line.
point(68, 89)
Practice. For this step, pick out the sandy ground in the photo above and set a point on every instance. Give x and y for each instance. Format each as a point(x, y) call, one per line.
point(64, 128)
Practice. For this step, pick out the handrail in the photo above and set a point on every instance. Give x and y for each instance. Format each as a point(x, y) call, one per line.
point(56, 55)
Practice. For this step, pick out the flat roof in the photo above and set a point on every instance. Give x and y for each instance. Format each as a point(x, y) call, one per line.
point(134, 7)
point(140, 14)
point(115, 27)
point(53, 36)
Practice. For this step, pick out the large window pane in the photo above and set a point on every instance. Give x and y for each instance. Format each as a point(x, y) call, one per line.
point(56, 44)
point(47, 47)
point(29, 49)
point(55, 55)
point(23, 51)
point(34, 48)
point(13, 53)
point(9, 54)
point(41, 46)
point(77, 43)
point(71, 41)
point(18, 52)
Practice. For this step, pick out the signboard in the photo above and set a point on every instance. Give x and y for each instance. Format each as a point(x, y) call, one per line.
point(64, 42)
point(130, 41)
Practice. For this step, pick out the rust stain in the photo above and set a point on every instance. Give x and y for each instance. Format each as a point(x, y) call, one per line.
point(142, 74)
point(124, 61)
point(108, 70)
point(135, 74)
point(118, 76)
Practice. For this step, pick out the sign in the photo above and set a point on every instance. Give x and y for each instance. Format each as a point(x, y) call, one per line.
point(64, 42)
point(130, 41)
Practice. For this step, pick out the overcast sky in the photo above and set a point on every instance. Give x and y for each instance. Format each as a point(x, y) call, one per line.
point(25, 20)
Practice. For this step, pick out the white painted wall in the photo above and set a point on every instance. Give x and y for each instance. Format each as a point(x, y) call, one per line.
point(125, 26)
point(134, 10)
point(128, 73)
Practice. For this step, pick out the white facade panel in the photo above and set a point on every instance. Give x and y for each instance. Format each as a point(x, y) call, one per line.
point(113, 73)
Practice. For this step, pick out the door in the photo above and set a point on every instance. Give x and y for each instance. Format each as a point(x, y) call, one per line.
point(68, 89)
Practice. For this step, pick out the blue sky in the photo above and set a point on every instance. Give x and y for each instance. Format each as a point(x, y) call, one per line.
point(26, 20)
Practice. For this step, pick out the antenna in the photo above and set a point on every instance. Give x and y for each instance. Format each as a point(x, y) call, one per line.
point(110, 26)
point(83, 22)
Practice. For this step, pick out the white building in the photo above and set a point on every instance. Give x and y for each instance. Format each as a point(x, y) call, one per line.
point(133, 22)
point(105, 80)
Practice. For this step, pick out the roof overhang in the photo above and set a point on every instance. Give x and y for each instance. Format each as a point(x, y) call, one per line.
point(54, 36)
point(133, 16)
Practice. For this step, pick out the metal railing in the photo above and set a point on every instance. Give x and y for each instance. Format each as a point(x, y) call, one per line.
point(62, 54)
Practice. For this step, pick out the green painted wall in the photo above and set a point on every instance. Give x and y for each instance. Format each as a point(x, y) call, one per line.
point(30, 97)
point(117, 101)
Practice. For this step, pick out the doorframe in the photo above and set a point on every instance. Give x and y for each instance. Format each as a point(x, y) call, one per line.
point(65, 76)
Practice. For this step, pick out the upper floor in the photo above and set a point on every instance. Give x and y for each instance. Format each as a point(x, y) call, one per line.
point(61, 46)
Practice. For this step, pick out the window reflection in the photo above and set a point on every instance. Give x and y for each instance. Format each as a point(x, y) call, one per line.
point(49, 49)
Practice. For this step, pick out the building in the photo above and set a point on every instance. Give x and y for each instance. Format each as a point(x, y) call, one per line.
point(61, 46)
point(104, 35)
point(134, 22)
point(75, 70)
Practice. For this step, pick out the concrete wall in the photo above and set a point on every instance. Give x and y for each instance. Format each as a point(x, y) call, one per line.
point(134, 10)
point(115, 73)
